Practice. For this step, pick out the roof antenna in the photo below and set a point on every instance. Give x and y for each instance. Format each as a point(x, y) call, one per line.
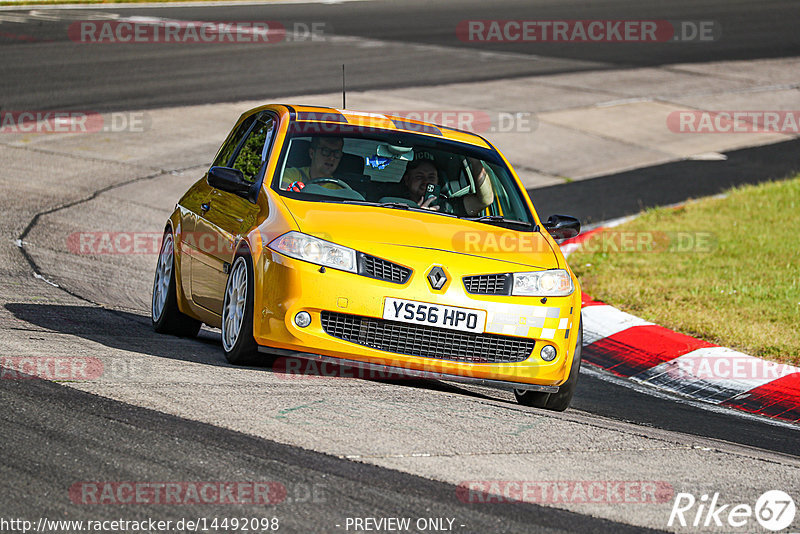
point(344, 101)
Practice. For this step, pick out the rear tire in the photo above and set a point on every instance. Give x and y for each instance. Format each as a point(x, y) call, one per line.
point(237, 313)
point(164, 313)
point(560, 401)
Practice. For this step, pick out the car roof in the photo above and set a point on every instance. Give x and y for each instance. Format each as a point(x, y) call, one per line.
point(366, 119)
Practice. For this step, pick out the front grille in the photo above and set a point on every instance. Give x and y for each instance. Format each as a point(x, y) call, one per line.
point(426, 341)
point(488, 284)
point(382, 269)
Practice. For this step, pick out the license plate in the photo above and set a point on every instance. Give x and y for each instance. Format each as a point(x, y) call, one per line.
point(410, 311)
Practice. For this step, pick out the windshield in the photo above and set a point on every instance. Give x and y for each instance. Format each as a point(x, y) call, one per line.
point(401, 171)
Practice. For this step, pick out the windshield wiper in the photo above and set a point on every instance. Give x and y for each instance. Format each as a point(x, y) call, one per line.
point(404, 206)
point(498, 219)
point(399, 205)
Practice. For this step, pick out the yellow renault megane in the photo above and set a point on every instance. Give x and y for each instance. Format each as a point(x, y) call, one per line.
point(376, 242)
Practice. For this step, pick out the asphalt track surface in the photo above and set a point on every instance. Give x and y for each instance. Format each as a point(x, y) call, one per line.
point(320, 490)
point(626, 193)
point(43, 69)
point(54, 435)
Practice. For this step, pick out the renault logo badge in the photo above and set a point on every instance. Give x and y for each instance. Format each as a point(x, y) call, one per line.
point(436, 278)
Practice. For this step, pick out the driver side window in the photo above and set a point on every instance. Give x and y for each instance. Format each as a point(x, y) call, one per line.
point(255, 147)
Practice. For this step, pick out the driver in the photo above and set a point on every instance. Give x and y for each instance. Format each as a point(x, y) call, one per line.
point(325, 154)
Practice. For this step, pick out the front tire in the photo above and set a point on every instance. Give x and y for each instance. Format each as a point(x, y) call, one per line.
point(237, 313)
point(560, 401)
point(164, 313)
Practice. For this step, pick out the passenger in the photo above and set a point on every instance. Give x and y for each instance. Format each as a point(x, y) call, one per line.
point(422, 171)
point(325, 154)
point(419, 173)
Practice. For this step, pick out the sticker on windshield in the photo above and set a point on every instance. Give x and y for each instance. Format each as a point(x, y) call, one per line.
point(378, 162)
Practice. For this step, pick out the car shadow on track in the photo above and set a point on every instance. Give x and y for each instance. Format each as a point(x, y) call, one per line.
point(120, 330)
point(132, 332)
point(629, 192)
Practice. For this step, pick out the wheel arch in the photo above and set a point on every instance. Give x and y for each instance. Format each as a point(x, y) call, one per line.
point(245, 249)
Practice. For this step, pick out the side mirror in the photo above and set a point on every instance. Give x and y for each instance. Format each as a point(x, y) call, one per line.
point(563, 226)
point(227, 179)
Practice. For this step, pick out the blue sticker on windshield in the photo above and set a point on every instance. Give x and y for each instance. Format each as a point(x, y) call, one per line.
point(378, 162)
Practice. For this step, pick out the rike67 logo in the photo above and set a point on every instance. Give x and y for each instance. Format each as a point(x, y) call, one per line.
point(774, 510)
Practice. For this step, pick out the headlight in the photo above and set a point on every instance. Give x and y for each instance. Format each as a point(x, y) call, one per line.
point(314, 250)
point(553, 283)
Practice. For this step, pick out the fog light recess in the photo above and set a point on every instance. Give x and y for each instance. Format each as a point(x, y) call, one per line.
point(303, 319)
point(548, 353)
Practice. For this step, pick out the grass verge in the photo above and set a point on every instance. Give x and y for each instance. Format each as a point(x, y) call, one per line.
point(726, 270)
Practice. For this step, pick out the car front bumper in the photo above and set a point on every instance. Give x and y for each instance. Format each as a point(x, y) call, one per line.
point(286, 286)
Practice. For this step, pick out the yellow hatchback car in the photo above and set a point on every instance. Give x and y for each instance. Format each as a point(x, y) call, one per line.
point(376, 242)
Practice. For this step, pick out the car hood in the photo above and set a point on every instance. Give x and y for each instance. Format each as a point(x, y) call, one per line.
point(372, 229)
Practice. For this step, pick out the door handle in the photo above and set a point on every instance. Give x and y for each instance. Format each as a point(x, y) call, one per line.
point(205, 206)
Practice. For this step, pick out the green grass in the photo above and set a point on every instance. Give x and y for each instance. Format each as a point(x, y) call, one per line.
point(726, 270)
